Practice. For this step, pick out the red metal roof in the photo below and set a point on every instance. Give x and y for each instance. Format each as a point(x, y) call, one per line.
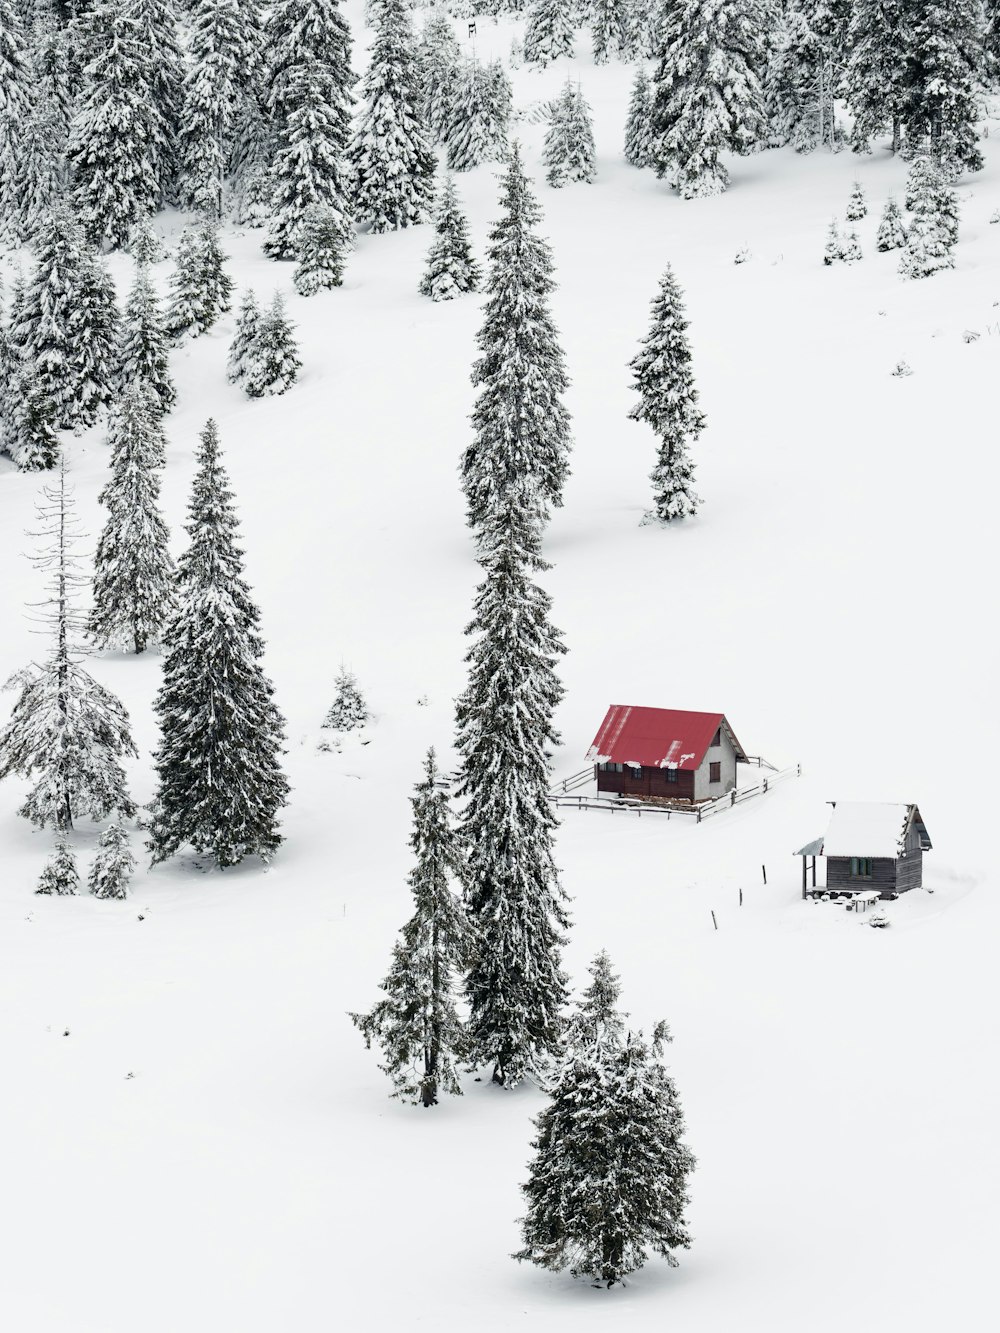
point(657, 737)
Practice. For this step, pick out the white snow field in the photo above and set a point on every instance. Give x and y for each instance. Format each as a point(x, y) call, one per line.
point(193, 1135)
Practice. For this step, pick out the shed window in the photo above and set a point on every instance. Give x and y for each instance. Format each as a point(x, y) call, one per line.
point(717, 738)
point(861, 867)
point(715, 772)
point(635, 770)
point(671, 774)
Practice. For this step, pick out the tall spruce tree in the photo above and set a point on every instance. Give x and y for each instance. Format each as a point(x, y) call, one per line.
point(611, 29)
point(15, 100)
point(933, 232)
point(668, 402)
point(475, 134)
point(66, 731)
point(220, 786)
point(549, 33)
point(801, 84)
point(708, 97)
point(144, 354)
point(241, 348)
point(451, 269)
point(569, 152)
point(439, 61)
point(157, 35)
point(521, 426)
point(607, 1183)
point(133, 571)
point(945, 56)
point(27, 426)
point(876, 74)
point(423, 1039)
point(391, 156)
point(638, 126)
point(515, 985)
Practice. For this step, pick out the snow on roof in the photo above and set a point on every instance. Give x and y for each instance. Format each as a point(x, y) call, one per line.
point(867, 828)
point(657, 737)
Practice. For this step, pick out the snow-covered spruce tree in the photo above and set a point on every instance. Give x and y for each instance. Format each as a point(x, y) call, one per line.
point(707, 96)
point(569, 141)
point(500, 102)
point(52, 325)
point(439, 61)
point(241, 348)
point(515, 984)
point(321, 249)
point(891, 232)
point(608, 1181)
point(390, 155)
point(143, 356)
point(201, 289)
point(931, 238)
point(417, 1025)
point(638, 126)
point(157, 36)
point(60, 875)
point(876, 74)
point(115, 182)
point(15, 100)
point(800, 84)
point(309, 101)
point(144, 245)
point(474, 135)
point(850, 251)
point(991, 41)
point(857, 204)
point(348, 712)
point(451, 269)
point(272, 363)
point(220, 786)
point(611, 29)
point(66, 731)
point(218, 285)
point(922, 175)
point(521, 426)
point(97, 326)
point(834, 249)
point(112, 867)
point(28, 436)
point(945, 55)
point(37, 174)
point(133, 571)
point(549, 32)
point(220, 53)
point(668, 402)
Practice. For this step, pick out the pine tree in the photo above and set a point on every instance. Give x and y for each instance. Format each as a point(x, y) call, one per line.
point(114, 863)
point(922, 176)
point(932, 233)
point(217, 284)
point(891, 232)
point(707, 91)
point(834, 244)
point(145, 246)
point(321, 251)
point(157, 38)
point(800, 84)
point(499, 103)
point(668, 402)
point(97, 329)
point(515, 984)
point(451, 269)
point(133, 571)
point(37, 173)
point(549, 33)
point(112, 132)
point(201, 290)
point(272, 364)
point(851, 250)
point(220, 786)
point(569, 143)
point(391, 156)
point(60, 874)
point(15, 100)
point(308, 101)
point(65, 730)
point(876, 74)
point(991, 40)
point(143, 357)
point(417, 1025)
point(597, 1018)
point(241, 348)
point(610, 26)
point(474, 135)
point(29, 436)
point(857, 205)
point(439, 60)
point(940, 107)
point(521, 426)
point(348, 712)
point(608, 1180)
point(638, 126)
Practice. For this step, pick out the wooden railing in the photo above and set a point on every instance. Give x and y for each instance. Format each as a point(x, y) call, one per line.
point(561, 796)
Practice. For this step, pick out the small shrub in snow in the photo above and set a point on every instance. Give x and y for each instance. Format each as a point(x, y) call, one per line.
point(114, 863)
point(348, 711)
point(879, 920)
point(995, 215)
point(60, 874)
point(891, 231)
point(901, 370)
point(857, 205)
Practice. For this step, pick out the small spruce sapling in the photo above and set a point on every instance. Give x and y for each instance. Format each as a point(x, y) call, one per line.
point(857, 205)
point(29, 435)
point(114, 863)
point(348, 712)
point(144, 353)
point(834, 249)
point(891, 231)
point(451, 269)
point(241, 348)
point(320, 250)
point(569, 143)
point(932, 233)
point(189, 310)
point(638, 126)
point(59, 874)
point(145, 246)
point(272, 364)
point(851, 251)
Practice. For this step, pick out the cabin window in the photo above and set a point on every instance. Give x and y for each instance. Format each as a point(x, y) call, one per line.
point(715, 772)
point(635, 770)
point(610, 768)
point(717, 738)
point(861, 867)
point(671, 774)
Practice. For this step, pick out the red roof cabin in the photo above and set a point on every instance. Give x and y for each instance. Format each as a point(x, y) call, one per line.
point(665, 753)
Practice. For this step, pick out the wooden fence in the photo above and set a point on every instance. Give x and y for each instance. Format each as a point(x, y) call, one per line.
point(561, 795)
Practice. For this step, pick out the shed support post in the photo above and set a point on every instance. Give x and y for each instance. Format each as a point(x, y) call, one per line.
point(803, 879)
point(814, 871)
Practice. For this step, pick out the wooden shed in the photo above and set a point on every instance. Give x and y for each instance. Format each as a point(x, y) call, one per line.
point(869, 845)
point(665, 753)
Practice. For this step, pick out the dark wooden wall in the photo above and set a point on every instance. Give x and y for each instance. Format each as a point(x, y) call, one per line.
point(651, 782)
point(838, 874)
point(909, 871)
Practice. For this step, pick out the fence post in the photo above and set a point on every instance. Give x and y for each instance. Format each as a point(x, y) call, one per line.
point(765, 784)
point(741, 897)
point(763, 871)
point(714, 922)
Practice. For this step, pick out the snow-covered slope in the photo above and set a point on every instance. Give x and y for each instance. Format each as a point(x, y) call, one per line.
point(193, 1134)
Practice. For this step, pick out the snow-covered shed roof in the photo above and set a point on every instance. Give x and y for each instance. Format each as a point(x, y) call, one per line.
point(871, 828)
point(657, 737)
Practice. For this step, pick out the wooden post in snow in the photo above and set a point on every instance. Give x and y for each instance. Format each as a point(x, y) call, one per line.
point(714, 922)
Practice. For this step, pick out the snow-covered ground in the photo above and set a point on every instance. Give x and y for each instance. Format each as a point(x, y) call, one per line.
point(193, 1134)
